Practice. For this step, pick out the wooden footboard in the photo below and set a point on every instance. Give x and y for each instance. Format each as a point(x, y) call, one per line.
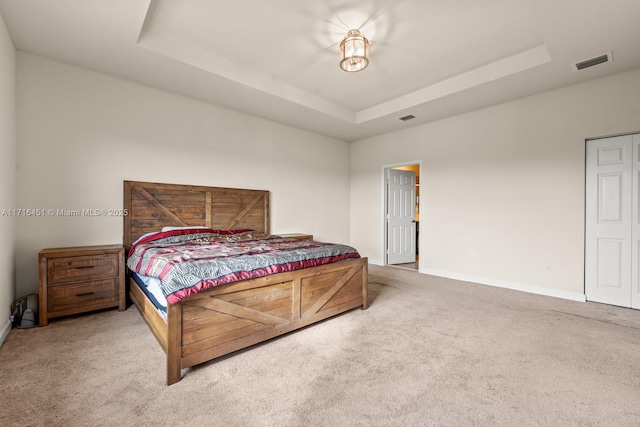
point(231, 317)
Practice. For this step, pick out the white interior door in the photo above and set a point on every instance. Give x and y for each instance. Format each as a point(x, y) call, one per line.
point(635, 222)
point(611, 199)
point(401, 211)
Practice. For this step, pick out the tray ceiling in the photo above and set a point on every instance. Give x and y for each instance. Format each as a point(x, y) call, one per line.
point(278, 59)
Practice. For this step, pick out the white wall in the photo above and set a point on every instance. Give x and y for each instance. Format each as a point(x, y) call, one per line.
point(7, 175)
point(81, 133)
point(502, 188)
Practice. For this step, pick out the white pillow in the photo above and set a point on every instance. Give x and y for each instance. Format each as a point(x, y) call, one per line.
point(168, 229)
point(143, 236)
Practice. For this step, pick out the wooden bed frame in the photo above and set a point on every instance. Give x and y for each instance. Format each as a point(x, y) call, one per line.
point(230, 317)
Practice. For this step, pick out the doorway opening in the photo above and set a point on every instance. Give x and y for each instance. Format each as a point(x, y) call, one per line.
point(401, 216)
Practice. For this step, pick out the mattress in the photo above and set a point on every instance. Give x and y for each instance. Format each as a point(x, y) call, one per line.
point(151, 288)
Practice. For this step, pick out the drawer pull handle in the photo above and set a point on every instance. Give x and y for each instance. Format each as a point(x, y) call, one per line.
point(84, 267)
point(85, 294)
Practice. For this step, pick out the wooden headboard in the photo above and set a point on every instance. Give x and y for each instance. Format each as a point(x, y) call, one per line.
point(151, 206)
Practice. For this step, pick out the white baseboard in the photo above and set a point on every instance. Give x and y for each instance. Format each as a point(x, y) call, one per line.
point(6, 328)
point(532, 289)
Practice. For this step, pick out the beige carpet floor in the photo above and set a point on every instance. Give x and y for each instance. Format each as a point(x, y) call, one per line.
point(428, 351)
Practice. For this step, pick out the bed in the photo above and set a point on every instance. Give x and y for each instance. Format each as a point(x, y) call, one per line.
point(221, 319)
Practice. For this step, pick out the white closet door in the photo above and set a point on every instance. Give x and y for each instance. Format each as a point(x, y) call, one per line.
point(608, 243)
point(635, 215)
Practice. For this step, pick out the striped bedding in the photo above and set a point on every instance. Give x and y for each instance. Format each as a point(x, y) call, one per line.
point(187, 261)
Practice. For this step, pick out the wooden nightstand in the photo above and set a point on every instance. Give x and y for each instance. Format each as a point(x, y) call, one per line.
point(298, 236)
point(80, 279)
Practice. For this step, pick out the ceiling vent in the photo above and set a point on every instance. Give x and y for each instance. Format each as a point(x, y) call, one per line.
point(593, 61)
point(408, 117)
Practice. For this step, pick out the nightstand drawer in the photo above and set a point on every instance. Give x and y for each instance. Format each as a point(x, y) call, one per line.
point(77, 296)
point(78, 268)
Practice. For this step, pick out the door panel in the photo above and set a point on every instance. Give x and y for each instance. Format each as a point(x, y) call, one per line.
point(401, 210)
point(608, 241)
point(610, 262)
point(635, 227)
point(610, 197)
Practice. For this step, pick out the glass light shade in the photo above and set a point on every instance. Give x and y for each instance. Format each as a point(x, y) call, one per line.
point(354, 50)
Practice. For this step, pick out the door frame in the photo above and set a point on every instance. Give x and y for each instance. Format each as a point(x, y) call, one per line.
point(385, 207)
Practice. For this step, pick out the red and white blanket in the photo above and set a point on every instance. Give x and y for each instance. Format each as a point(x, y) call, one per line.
point(187, 261)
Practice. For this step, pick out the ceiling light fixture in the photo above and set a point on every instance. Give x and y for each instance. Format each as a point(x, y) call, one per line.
point(354, 50)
